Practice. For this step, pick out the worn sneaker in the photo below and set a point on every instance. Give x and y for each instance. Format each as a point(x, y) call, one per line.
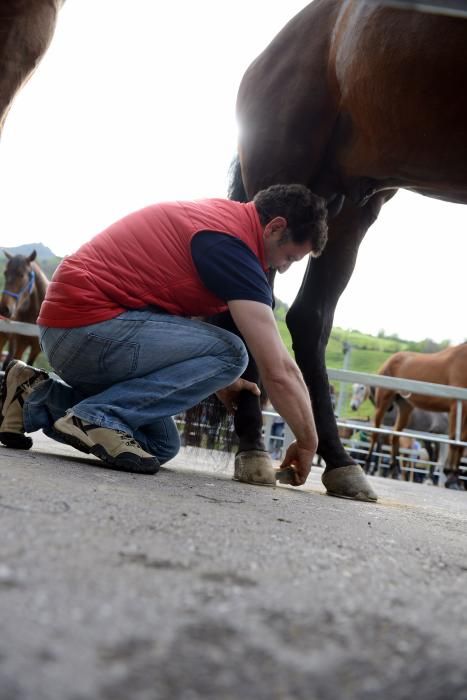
point(114, 447)
point(19, 381)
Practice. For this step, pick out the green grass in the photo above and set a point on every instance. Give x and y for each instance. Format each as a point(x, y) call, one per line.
point(368, 354)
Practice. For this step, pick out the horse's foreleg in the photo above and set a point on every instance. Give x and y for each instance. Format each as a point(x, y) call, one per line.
point(34, 351)
point(4, 341)
point(12, 345)
point(310, 322)
point(21, 343)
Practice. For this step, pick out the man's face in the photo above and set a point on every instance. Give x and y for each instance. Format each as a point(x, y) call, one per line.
point(280, 251)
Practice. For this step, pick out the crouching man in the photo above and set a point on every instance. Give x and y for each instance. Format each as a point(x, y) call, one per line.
point(117, 327)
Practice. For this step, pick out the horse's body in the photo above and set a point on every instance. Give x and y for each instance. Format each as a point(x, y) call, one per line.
point(446, 367)
point(354, 100)
point(21, 299)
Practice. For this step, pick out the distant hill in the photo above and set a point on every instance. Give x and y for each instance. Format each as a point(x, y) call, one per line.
point(43, 252)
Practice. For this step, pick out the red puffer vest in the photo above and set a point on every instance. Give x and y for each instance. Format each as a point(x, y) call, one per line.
point(143, 259)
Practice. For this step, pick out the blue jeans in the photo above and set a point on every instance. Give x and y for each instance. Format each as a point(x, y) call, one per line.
point(133, 373)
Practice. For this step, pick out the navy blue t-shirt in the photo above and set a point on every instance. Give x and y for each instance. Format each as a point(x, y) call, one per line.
point(229, 269)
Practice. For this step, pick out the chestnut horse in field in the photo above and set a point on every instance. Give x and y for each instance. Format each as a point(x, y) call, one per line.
point(20, 300)
point(449, 367)
point(354, 99)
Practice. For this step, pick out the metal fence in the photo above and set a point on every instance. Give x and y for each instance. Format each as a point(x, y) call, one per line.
point(278, 435)
point(413, 463)
point(7, 326)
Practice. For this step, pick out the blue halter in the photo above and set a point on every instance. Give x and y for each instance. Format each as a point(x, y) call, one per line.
point(27, 287)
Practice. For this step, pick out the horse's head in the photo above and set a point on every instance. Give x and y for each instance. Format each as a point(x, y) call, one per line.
point(359, 394)
point(19, 283)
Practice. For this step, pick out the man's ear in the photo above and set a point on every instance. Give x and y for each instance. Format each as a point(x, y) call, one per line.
point(275, 228)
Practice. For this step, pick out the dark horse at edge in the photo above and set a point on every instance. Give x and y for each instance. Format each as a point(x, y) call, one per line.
point(355, 100)
point(20, 300)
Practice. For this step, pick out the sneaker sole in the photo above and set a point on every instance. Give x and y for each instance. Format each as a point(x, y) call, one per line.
point(121, 463)
point(16, 441)
point(4, 389)
point(126, 463)
point(68, 440)
point(4, 394)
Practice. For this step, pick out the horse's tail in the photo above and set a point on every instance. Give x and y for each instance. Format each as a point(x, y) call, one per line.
point(236, 188)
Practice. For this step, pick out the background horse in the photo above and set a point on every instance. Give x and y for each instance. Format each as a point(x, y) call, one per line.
point(419, 420)
point(354, 100)
point(21, 298)
point(446, 367)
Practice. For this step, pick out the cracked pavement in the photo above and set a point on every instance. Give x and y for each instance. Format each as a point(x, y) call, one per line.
point(188, 585)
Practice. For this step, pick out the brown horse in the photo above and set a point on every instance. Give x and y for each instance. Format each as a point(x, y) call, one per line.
point(353, 99)
point(21, 298)
point(446, 367)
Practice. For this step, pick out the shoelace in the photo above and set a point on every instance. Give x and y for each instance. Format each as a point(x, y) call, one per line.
point(29, 383)
point(127, 439)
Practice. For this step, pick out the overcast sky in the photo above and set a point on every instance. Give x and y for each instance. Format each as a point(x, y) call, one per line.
point(134, 103)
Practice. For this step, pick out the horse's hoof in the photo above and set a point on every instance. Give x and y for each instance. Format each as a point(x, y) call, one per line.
point(348, 482)
point(254, 467)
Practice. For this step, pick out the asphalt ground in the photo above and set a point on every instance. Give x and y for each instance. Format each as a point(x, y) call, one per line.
point(188, 585)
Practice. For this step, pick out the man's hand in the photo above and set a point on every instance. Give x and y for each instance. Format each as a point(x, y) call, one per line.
point(229, 395)
point(300, 460)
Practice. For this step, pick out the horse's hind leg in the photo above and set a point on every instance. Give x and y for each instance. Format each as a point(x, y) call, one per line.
point(252, 462)
point(248, 417)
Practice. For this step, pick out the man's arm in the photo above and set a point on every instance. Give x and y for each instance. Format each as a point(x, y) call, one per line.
point(282, 379)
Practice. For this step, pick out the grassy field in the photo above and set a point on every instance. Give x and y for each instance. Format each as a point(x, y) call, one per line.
point(361, 360)
point(368, 353)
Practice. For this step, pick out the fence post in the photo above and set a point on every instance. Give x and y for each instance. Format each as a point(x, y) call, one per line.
point(346, 349)
point(268, 419)
point(443, 453)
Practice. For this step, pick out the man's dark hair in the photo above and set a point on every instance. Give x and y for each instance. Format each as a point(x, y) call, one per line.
point(305, 212)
